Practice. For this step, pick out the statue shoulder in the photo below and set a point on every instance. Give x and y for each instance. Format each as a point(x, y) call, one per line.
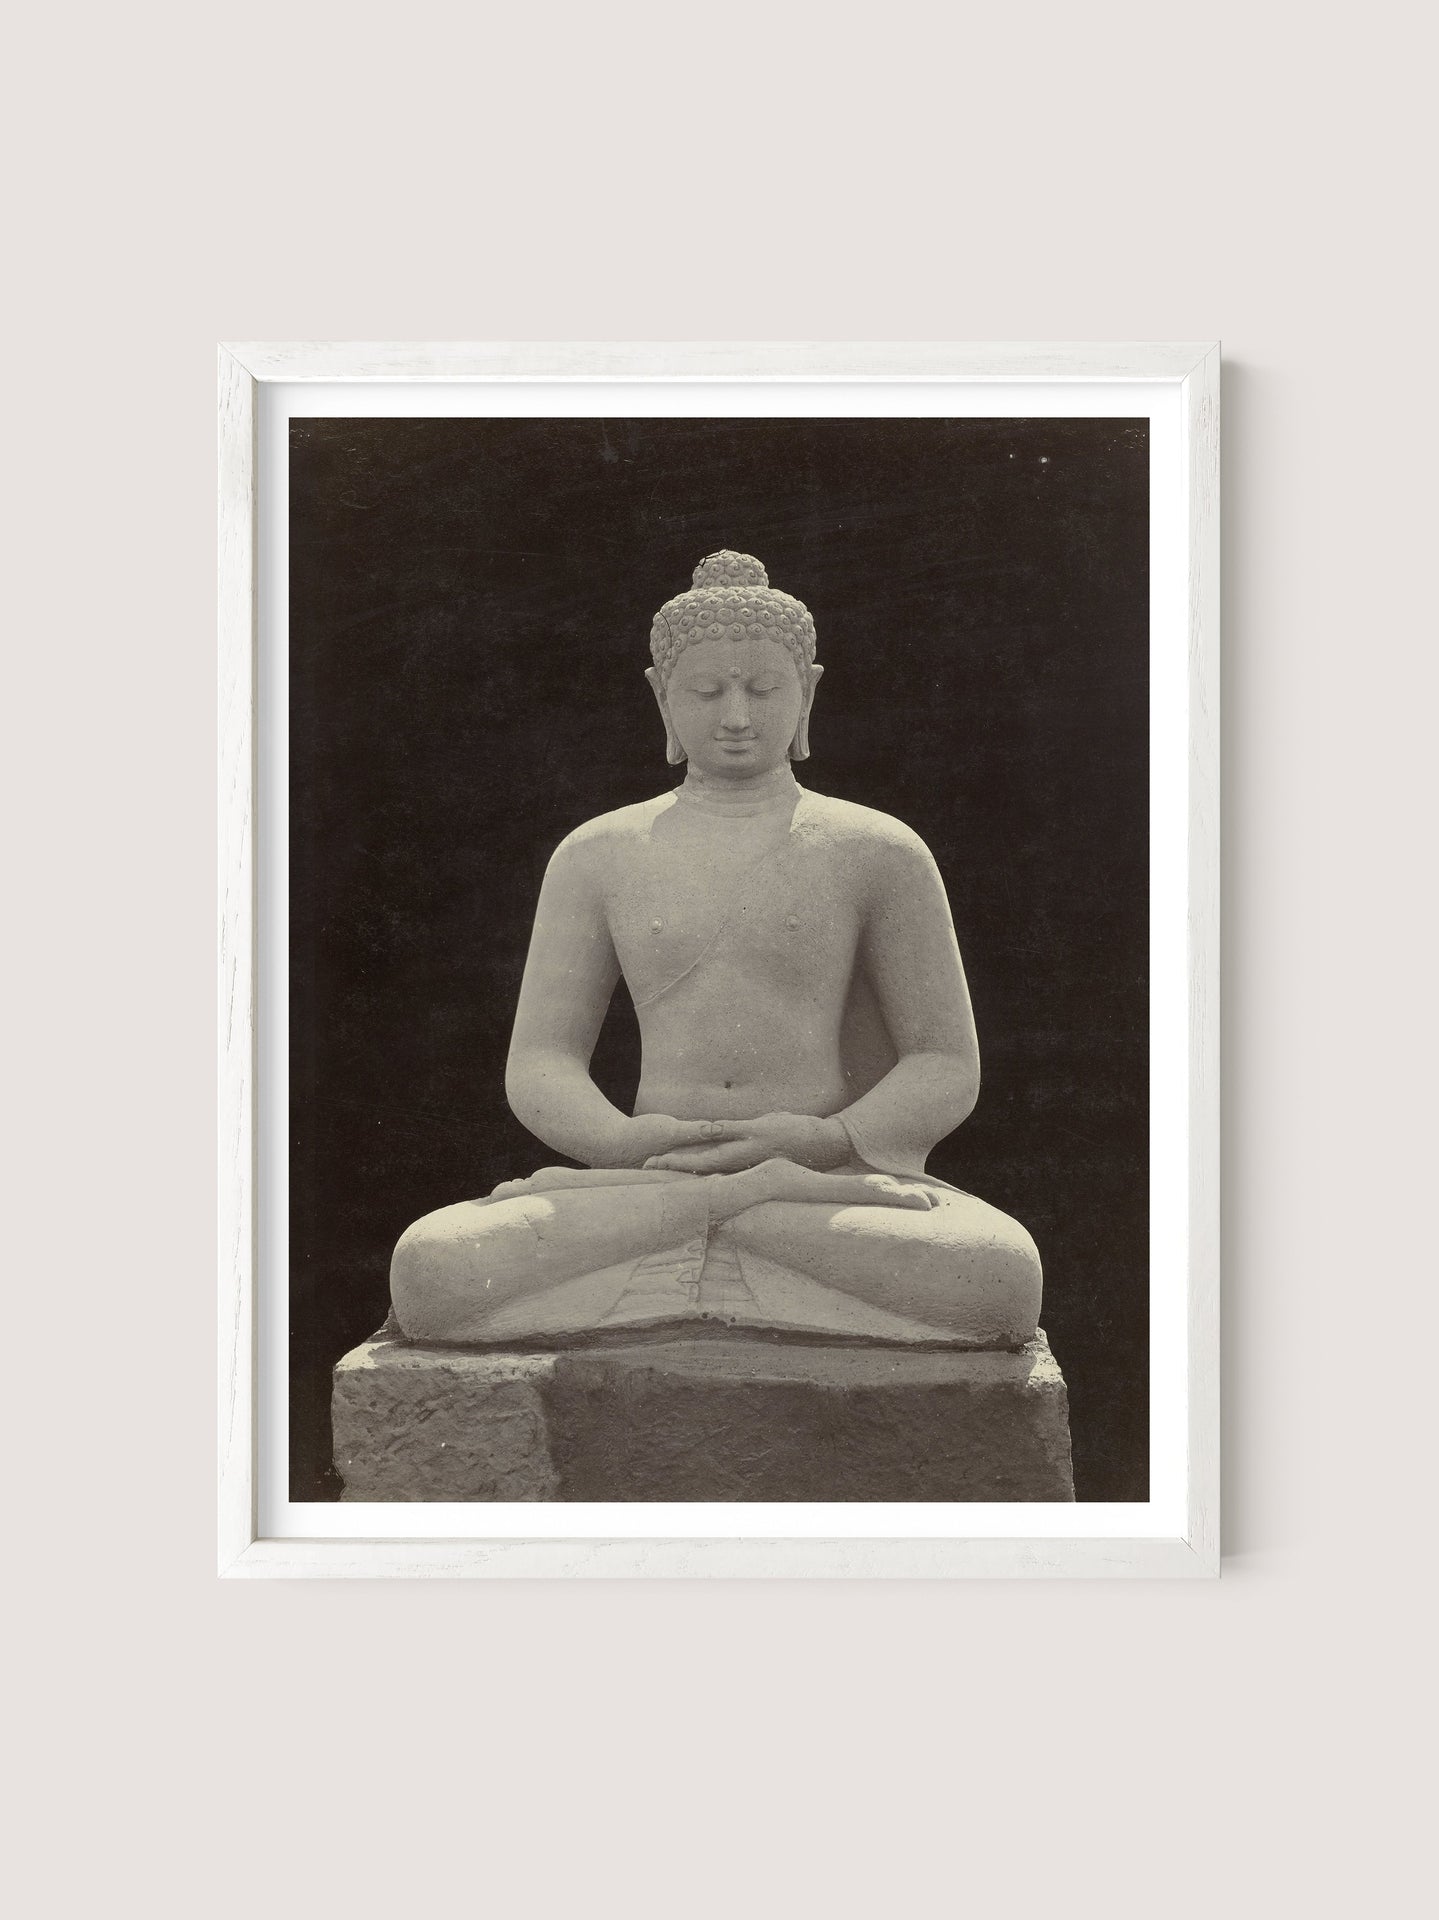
point(879, 836)
point(594, 844)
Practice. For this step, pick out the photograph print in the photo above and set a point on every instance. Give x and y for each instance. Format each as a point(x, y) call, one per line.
point(718, 949)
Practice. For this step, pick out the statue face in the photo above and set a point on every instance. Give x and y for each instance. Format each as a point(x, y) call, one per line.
point(735, 705)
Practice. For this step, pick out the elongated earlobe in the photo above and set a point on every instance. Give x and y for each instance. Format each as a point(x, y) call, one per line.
point(799, 746)
point(674, 752)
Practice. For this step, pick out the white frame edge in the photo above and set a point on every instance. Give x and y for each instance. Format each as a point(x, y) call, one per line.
point(238, 634)
point(1195, 367)
point(746, 360)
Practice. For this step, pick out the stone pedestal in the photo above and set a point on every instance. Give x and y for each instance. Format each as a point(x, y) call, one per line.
point(696, 1418)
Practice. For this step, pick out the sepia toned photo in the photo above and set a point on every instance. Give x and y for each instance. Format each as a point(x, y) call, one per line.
point(718, 959)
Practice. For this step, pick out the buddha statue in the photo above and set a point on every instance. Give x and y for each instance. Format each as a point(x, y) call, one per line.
point(807, 1038)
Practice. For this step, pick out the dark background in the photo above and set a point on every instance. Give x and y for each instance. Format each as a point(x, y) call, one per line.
point(470, 611)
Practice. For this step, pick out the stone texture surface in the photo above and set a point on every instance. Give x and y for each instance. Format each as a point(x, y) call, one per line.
point(423, 1423)
point(715, 1418)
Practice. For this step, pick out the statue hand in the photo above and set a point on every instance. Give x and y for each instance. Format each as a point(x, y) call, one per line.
point(782, 1180)
point(652, 1138)
point(733, 1145)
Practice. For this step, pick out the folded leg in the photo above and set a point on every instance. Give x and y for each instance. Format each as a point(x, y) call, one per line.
point(458, 1271)
point(962, 1267)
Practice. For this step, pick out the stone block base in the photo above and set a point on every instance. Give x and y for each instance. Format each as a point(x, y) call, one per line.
point(719, 1418)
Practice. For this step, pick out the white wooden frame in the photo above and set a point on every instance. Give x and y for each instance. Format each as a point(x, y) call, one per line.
point(243, 368)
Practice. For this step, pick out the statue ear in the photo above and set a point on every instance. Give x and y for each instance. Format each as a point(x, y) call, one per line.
point(674, 752)
point(799, 746)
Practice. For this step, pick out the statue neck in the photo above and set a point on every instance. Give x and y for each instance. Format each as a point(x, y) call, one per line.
point(764, 793)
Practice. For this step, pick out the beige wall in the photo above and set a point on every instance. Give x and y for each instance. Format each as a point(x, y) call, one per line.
point(1099, 172)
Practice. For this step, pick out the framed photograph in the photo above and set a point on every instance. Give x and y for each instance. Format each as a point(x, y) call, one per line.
point(719, 960)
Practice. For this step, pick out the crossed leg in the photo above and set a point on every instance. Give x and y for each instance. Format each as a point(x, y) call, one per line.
point(951, 1262)
point(963, 1267)
point(455, 1269)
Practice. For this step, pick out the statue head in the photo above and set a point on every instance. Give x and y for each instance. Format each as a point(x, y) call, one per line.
point(734, 670)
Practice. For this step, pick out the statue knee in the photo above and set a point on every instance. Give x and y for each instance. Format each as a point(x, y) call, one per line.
point(417, 1271)
point(451, 1268)
point(1018, 1285)
point(983, 1278)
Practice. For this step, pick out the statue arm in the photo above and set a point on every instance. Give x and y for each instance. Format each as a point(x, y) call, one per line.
point(570, 974)
point(909, 950)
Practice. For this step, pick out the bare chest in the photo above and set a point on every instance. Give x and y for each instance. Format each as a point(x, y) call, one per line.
point(778, 914)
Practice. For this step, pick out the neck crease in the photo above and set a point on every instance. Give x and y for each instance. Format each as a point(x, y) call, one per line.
point(766, 792)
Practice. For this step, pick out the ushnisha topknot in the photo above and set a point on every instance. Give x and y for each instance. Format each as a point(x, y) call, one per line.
point(731, 597)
